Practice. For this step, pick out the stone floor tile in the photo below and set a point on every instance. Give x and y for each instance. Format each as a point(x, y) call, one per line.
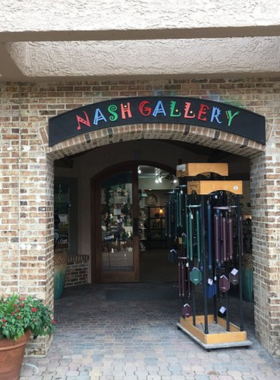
point(153, 377)
point(198, 369)
point(235, 374)
point(201, 377)
point(134, 345)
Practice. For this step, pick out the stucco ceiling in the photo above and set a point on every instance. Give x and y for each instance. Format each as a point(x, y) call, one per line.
point(100, 39)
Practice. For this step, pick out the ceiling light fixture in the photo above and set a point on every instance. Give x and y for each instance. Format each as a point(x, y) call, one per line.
point(172, 178)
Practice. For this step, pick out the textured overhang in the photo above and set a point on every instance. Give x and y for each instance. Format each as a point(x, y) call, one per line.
point(112, 38)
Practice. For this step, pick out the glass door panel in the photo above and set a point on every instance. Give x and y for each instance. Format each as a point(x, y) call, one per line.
point(117, 224)
point(61, 216)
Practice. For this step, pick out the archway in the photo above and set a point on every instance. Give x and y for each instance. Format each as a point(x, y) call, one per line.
point(189, 135)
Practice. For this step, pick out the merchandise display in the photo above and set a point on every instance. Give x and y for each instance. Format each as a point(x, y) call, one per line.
point(203, 219)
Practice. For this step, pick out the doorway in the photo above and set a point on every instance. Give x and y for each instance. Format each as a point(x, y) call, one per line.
point(155, 183)
point(128, 234)
point(115, 243)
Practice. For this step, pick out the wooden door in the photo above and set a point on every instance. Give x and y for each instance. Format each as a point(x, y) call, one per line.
point(115, 241)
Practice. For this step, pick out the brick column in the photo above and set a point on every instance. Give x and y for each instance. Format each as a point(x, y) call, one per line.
point(26, 195)
point(265, 198)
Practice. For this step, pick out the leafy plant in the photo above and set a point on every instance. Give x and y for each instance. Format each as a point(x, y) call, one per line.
point(19, 315)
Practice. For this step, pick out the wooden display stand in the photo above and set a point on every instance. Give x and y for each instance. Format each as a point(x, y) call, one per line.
point(207, 187)
point(209, 331)
point(193, 169)
point(218, 337)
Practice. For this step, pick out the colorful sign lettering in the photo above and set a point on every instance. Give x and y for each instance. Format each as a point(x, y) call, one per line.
point(180, 110)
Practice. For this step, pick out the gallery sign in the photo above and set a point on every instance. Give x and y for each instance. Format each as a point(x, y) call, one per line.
point(157, 109)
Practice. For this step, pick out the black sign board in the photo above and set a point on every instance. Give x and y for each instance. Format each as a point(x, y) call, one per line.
point(157, 109)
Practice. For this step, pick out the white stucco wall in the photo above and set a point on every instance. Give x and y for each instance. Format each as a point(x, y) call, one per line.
point(161, 57)
point(84, 15)
point(46, 39)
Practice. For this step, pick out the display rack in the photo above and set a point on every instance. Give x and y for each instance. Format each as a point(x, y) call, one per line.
point(143, 229)
point(204, 218)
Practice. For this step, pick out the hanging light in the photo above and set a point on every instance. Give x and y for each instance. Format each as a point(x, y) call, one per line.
point(139, 170)
point(158, 179)
point(171, 178)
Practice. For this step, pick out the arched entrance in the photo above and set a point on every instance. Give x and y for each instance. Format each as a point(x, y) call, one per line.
point(187, 137)
point(103, 147)
point(168, 144)
point(104, 158)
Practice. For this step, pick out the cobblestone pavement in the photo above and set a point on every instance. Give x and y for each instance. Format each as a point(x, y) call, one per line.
point(129, 332)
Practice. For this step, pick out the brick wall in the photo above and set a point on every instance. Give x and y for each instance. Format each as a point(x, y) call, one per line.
point(265, 199)
point(77, 270)
point(26, 167)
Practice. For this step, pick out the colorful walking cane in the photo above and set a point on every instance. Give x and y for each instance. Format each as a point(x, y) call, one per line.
point(217, 238)
point(209, 237)
point(198, 237)
point(182, 268)
point(191, 235)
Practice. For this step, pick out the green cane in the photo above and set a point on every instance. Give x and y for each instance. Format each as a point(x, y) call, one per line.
point(190, 236)
point(198, 235)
